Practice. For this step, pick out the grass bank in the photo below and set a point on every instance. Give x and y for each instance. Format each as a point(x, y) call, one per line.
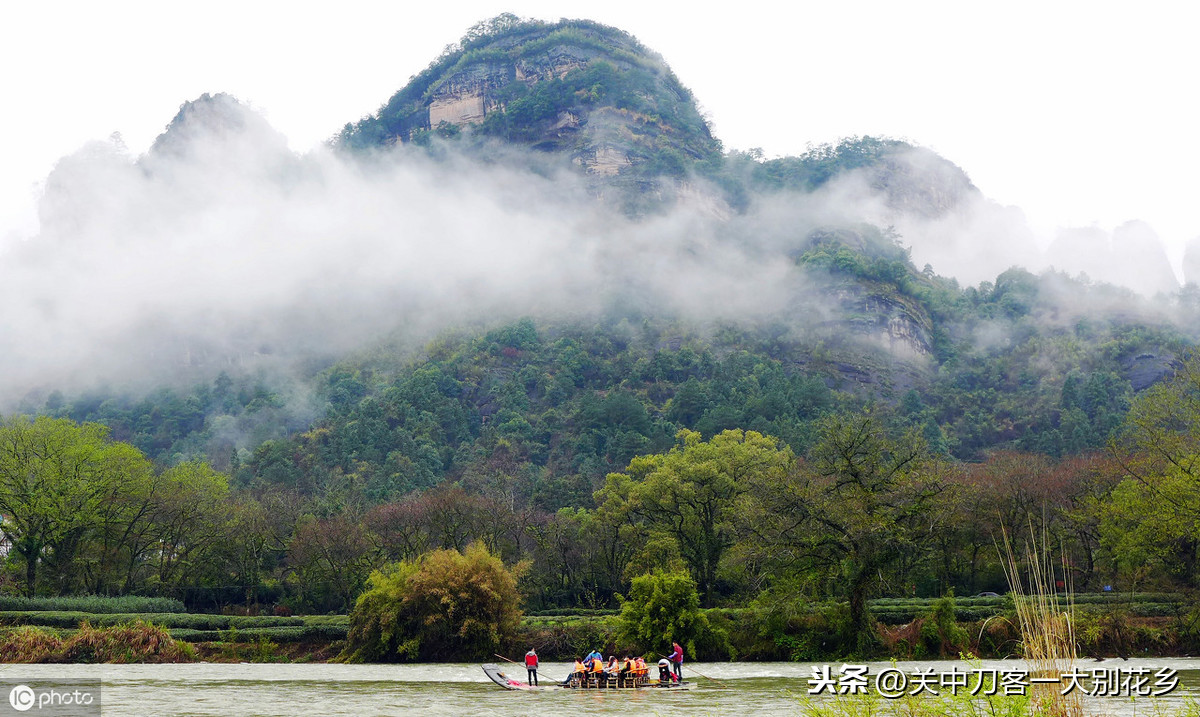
point(130, 642)
point(1106, 625)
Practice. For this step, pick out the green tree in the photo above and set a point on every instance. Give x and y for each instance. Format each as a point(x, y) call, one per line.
point(55, 476)
point(332, 560)
point(663, 607)
point(255, 537)
point(1160, 446)
point(1153, 519)
point(1144, 534)
point(443, 605)
point(690, 493)
point(125, 531)
point(862, 501)
point(190, 514)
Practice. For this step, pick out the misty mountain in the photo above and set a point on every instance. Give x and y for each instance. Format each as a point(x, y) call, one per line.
point(594, 97)
point(536, 255)
point(589, 92)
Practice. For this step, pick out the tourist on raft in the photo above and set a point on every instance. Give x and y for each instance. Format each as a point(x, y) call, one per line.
point(578, 671)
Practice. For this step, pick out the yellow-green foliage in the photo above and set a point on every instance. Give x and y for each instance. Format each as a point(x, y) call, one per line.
point(941, 634)
point(129, 642)
point(30, 644)
point(1047, 626)
point(443, 605)
point(664, 607)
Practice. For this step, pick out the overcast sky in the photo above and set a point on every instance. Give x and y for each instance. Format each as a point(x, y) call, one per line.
point(1080, 113)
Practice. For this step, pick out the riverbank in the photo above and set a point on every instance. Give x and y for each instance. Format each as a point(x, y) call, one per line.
point(1106, 626)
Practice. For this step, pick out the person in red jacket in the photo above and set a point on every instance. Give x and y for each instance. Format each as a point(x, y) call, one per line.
point(677, 661)
point(531, 665)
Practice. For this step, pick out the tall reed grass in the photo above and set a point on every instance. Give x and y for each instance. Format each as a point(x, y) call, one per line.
point(1047, 624)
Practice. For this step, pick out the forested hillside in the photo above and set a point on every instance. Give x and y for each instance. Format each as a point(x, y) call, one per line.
point(715, 364)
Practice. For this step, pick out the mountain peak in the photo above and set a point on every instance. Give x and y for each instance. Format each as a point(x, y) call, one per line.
point(578, 87)
point(209, 117)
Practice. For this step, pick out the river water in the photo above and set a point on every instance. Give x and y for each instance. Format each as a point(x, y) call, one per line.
point(286, 690)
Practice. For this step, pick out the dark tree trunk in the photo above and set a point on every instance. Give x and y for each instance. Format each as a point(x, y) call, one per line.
point(30, 575)
point(860, 622)
point(29, 549)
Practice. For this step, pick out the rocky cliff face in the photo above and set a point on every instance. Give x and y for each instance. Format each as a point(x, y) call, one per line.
point(918, 181)
point(875, 337)
point(576, 87)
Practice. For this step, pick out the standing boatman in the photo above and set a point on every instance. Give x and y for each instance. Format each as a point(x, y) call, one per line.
point(677, 661)
point(531, 665)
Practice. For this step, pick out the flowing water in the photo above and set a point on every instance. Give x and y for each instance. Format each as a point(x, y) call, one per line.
point(745, 688)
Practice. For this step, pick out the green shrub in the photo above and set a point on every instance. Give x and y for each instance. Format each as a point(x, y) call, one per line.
point(806, 632)
point(94, 604)
point(444, 605)
point(664, 607)
point(265, 650)
point(168, 620)
point(342, 620)
point(571, 612)
point(941, 634)
point(568, 640)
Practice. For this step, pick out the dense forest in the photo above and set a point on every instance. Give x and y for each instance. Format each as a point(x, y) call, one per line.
point(515, 436)
point(870, 439)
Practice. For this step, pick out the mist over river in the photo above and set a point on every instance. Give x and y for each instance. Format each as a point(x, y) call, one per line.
point(462, 689)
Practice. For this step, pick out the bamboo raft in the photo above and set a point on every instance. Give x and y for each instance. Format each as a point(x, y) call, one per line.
point(591, 681)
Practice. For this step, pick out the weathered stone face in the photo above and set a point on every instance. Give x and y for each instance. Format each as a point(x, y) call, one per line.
point(589, 92)
point(922, 183)
point(1149, 367)
point(608, 161)
point(457, 109)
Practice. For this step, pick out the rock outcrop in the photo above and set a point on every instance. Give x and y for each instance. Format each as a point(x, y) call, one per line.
point(576, 87)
